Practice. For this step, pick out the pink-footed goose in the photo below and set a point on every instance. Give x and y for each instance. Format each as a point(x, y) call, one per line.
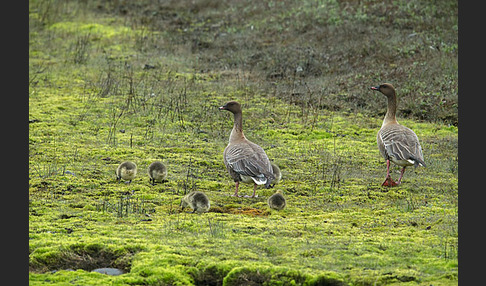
point(397, 143)
point(276, 173)
point(243, 157)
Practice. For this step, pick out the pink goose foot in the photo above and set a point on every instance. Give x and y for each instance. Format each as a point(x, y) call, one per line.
point(389, 182)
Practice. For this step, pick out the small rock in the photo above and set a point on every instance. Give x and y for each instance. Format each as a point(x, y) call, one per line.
point(108, 271)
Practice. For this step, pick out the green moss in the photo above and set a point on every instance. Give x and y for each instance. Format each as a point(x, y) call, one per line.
point(96, 29)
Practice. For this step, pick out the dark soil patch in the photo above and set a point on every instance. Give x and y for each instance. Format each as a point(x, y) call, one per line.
point(240, 210)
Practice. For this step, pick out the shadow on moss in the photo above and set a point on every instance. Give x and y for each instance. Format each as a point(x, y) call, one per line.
point(81, 256)
point(232, 273)
point(268, 275)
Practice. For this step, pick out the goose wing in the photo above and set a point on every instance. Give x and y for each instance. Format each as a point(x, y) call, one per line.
point(248, 159)
point(402, 143)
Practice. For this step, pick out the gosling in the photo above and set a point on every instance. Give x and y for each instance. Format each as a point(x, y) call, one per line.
point(157, 172)
point(198, 201)
point(277, 201)
point(277, 173)
point(275, 170)
point(126, 171)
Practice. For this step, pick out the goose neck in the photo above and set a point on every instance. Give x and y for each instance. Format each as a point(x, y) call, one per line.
point(391, 111)
point(237, 132)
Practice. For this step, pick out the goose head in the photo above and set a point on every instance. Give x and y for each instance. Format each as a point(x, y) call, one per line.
point(386, 88)
point(232, 106)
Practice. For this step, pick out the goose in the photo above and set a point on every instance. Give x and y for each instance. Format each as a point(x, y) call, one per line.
point(197, 200)
point(397, 143)
point(277, 200)
point(275, 170)
point(157, 172)
point(126, 171)
point(243, 157)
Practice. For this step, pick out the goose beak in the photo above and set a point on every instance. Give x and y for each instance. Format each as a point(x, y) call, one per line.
point(221, 108)
point(375, 87)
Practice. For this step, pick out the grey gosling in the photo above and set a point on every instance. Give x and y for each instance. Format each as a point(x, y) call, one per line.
point(157, 172)
point(277, 201)
point(126, 171)
point(243, 157)
point(397, 143)
point(198, 201)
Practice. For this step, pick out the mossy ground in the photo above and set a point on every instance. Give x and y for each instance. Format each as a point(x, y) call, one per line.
point(113, 83)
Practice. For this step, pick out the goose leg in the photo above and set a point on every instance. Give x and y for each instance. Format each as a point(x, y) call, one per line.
point(254, 191)
point(236, 189)
point(401, 175)
point(388, 180)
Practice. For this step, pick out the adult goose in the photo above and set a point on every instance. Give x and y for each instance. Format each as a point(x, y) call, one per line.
point(397, 143)
point(243, 157)
point(276, 173)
